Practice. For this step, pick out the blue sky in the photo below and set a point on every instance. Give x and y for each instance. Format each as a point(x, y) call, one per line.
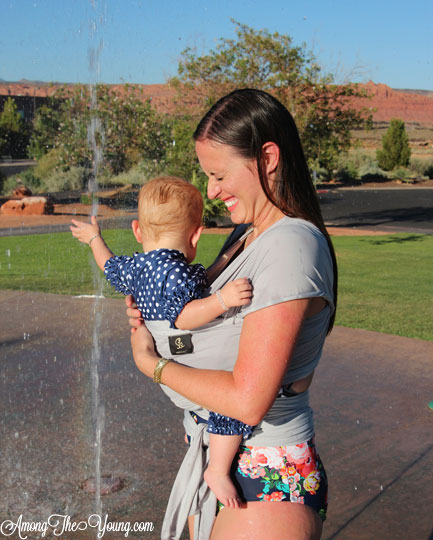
point(141, 40)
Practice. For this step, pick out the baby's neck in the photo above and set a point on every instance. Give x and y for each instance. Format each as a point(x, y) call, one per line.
point(165, 242)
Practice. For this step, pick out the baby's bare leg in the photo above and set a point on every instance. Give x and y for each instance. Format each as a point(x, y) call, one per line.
point(222, 450)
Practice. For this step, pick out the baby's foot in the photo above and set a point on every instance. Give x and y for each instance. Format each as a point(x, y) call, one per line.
point(221, 484)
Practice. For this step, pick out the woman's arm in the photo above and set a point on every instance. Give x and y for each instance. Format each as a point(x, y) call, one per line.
point(266, 346)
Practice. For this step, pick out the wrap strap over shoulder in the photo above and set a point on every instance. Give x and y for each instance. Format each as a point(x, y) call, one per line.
point(190, 494)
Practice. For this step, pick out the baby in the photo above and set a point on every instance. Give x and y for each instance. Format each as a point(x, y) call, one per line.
point(165, 286)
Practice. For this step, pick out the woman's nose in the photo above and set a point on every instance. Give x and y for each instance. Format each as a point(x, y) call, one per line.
point(213, 188)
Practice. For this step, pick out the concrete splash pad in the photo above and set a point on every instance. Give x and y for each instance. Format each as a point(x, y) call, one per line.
point(370, 396)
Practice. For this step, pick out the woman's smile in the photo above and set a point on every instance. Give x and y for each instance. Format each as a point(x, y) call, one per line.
point(231, 204)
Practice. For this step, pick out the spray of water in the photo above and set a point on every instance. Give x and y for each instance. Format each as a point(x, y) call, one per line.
point(95, 137)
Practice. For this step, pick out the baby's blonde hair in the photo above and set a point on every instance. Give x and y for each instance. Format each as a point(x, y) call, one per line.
point(167, 205)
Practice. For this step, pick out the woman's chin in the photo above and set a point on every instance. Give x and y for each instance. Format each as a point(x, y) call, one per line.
point(237, 219)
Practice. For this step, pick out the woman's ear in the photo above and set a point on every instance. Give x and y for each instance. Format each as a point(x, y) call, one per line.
point(271, 154)
point(136, 230)
point(195, 236)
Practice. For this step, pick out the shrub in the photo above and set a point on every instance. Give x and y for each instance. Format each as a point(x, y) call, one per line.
point(71, 180)
point(371, 171)
point(212, 207)
point(9, 184)
point(395, 147)
point(25, 178)
point(402, 174)
point(14, 132)
point(2, 180)
point(429, 171)
point(319, 174)
point(347, 173)
point(47, 164)
point(137, 175)
point(31, 180)
point(87, 198)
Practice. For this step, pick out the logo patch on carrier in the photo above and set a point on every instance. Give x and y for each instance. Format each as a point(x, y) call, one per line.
point(181, 344)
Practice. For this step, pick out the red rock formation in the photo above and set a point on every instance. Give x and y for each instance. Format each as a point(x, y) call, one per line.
point(385, 103)
point(29, 206)
point(20, 192)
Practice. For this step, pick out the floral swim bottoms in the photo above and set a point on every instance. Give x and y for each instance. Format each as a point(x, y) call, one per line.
point(282, 473)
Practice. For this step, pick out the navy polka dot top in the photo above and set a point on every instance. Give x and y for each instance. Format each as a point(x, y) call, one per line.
point(161, 282)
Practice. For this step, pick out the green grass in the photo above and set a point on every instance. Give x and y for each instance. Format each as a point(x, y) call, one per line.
point(386, 282)
point(57, 263)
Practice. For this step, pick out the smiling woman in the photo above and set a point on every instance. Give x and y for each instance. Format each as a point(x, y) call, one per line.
point(231, 179)
point(256, 362)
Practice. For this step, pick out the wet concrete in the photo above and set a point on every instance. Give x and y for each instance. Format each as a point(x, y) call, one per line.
point(370, 396)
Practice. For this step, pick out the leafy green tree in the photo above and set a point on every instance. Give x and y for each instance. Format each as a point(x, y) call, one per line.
point(271, 62)
point(14, 133)
point(182, 161)
point(181, 157)
point(46, 125)
point(395, 147)
point(125, 128)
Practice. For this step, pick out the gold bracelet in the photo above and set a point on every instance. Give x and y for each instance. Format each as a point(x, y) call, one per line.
point(158, 369)
point(93, 238)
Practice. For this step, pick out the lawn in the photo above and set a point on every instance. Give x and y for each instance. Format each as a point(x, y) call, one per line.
point(385, 282)
point(57, 263)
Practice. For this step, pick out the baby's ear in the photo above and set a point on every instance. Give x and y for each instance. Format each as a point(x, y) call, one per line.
point(136, 230)
point(195, 236)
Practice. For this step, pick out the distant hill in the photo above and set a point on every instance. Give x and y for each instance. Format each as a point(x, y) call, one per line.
point(412, 106)
point(428, 93)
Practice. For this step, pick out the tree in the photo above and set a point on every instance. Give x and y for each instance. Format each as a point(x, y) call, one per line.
point(46, 125)
point(395, 147)
point(14, 133)
point(125, 127)
point(271, 62)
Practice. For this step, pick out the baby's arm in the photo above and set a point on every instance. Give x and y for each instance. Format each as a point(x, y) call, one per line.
point(203, 310)
point(90, 233)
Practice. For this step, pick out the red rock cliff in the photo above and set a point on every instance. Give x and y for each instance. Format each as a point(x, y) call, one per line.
point(385, 102)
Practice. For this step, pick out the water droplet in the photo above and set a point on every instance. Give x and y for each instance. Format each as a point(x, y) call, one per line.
point(356, 488)
point(381, 487)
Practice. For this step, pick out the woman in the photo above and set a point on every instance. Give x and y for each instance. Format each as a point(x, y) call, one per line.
point(263, 355)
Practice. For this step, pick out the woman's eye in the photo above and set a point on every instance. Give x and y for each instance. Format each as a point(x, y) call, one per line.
point(218, 179)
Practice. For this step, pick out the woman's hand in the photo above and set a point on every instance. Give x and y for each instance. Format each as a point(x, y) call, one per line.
point(143, 346)
point(143, 350)
point(134, 314)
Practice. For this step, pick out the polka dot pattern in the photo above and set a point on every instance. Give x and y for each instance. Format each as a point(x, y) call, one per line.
point(161, 281)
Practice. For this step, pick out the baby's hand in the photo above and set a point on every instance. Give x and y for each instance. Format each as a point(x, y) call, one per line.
point(237, 292)
point(85, 231)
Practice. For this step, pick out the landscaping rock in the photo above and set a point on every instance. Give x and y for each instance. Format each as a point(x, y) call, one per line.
point(29, 206)
point(20, 192)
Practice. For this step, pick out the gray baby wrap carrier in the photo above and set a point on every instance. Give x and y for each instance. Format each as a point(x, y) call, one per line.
point(288, 261)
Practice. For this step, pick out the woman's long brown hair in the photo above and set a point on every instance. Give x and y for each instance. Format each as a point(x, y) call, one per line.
point(247, 119)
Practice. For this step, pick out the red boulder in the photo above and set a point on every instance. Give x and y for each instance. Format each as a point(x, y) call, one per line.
point(29, 206)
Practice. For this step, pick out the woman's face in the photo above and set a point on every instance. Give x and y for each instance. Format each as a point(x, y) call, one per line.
point(234, 180)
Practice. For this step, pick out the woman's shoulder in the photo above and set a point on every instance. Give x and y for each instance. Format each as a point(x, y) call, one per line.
point(291, 233)
point(291, 261)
